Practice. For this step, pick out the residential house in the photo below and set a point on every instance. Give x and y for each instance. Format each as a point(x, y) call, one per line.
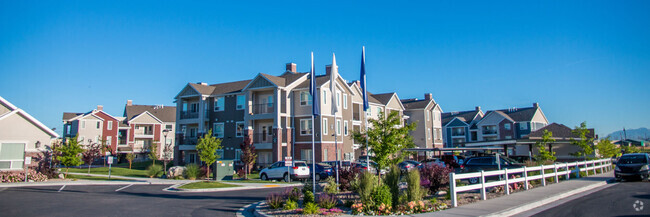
point(21, 135)
point(511, 123)
point(459, 128)
point(93, 127)
point(144, 125)
point(427, 114)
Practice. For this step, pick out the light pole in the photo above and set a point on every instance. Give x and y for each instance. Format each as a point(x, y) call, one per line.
point(165, 150)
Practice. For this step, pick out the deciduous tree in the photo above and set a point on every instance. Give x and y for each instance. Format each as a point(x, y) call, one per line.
point(543, 153)
point(607, 149)
point(248, 155)
point(153, 152)
point(583, 143)
point(207, 149)
point(93, 152)
point(69, 153)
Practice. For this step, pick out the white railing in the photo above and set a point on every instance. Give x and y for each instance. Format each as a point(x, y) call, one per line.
point(559, 169)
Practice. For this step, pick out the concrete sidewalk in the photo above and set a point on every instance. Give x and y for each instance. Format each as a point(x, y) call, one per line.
point(515, 203)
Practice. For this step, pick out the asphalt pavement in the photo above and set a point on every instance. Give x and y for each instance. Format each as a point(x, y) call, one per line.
point(123, 200)
point(619, 199)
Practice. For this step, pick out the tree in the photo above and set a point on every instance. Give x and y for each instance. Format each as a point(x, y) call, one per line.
point(543, 153)
point(386, 138)
point(70, 153)
point(105, 148)
point(207, 149)
point(248, 155)
point(607, 149)
point(129, 157)
point(92, 153)
point(168, 151)
point(584, 144)
point(153, 152)
point(630, 149)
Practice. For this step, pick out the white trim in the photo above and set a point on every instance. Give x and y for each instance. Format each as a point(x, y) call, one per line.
point(255, 79)
point(214, 103)
point(243, 129)
point(147, 112)
point(312, 126)
point(325, 130)
point(223, 128)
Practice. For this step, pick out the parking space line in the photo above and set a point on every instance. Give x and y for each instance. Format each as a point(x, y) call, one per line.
point(61, 188)
point(122, 188)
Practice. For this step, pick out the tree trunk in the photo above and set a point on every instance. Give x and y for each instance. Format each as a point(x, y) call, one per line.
point(208, 173)
point(66, 173)
point(89, 168)
point(246, 173)
point(130, 162)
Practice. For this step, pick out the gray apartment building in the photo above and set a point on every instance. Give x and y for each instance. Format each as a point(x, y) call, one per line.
point(428, 116)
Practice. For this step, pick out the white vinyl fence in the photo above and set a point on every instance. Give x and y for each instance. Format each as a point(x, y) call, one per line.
point(559, 169)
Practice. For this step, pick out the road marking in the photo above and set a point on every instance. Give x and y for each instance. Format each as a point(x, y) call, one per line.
point(122, 188)
point(61, 188)
point(271, 186)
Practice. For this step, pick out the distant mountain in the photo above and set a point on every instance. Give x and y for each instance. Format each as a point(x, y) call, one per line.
point(640, 134)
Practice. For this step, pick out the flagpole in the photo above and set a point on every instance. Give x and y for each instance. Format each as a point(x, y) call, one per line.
point(336, 146)
point(313, 154)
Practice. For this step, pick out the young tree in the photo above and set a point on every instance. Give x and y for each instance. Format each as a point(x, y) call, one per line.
point(543, 153)
point(70, 153)
point(607, 149)
point(92, 153)
point(386, 138)
point(207, 149)
point(584, 144)
point(168, 151)
point(153, 152)
point(106, 148)
point(129, 157)
point(248, 155)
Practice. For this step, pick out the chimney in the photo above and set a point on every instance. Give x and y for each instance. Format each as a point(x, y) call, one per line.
point(428, 96)
point(536, 105)
point(202, 83)
point(328, 69)
point(478, 108)
point(100, 107)
point(291, 67)
point(129, 102)
point(358, 83)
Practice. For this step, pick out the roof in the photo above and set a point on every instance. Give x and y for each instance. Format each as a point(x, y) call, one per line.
point(202, 89)
point(465, 116)
point(520, 114)
point(230, 87)
point(415, 104)
point(164, 113)
point(70, 115)
point(16, 110)
point(384, 98)
point(279, 81)
point(503, 114)
point(559, 131)
point(320, 80)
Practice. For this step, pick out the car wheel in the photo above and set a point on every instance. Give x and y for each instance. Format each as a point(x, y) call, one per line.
point(263, 177)
point(286, 178)
point(473, 180)
point(318, 177)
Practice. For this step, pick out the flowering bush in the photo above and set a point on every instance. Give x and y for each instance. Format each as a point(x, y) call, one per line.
point(421, 207)
point(9, 177)
point(292, 194)
point(275, 201)
point(434, 177)
point(383, 209)
point(357, 208)
point(327, 201)
point(346, 176)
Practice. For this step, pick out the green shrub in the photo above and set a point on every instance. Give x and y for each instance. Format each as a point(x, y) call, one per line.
point(275, 201)
point(382, 195)
point(290, 205)
point(392, 181)
point(154, 171)
point(364, 187)
point(307, 186)
point(327, 201)
point(414, 191)
point(293, 194)
point(309, 197)
point(192, 171)
point(311, 209)
point(331, 187)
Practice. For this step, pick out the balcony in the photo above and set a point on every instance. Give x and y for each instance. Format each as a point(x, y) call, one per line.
point(264, 108)
point(262, 138)
point(489, 132)
point(189, 115)
point(458, 133)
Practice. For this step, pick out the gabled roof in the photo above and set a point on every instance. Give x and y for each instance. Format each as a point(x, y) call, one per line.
point(278, 81)
point(320, 80)
point(497, 112)
point(520, 114)
point(70, 115)
point(415, 104)
point(202, 89)
point(163, 113)
point(229, 87)
point(15, 110)
point(384, 98)
point(465, 116)
point(559, 131)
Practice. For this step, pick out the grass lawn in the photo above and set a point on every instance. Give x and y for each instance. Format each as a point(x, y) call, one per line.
point(95, 178)
point(206, 184)
point(118, 171)
point(255, 175)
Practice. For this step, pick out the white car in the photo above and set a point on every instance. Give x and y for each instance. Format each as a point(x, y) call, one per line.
point(281, 172)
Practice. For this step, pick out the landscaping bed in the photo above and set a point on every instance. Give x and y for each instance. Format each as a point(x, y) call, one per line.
point(206, 185)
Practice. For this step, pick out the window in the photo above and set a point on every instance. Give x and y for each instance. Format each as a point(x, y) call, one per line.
point(219, 153)
point(325, 126)
point(237, 154)
point(108, 140)
point(239, 129)
point(508, 137)
point(324, 155)
point(523, 126)
point(184, 107)
point(218, 103)
point(378, 110)
point(194, 107)
point(83, 124)
point(305, 154)
point(192, 158)
point(305, 127)
point(168, 127)
point(428, 132)
point(12, 155)
point(345, 128)
point(269, 101)
point(217, 130)
point(184, 129)
point(98, 124)
point(110, 125)
point(241, 100)
point(338, 127)
point(324, 97)
point(305, 98)
point(428, 114)
point(345, 101)
point(338, 99)
point(507, 126)
point(193, 132)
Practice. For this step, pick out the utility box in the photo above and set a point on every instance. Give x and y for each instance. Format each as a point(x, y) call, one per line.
point(223, 170)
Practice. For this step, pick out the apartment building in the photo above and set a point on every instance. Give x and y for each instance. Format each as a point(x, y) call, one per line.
point(513, 123)
point(135, 131)
point(427, 114)
point(459, 128)
point(274, 113)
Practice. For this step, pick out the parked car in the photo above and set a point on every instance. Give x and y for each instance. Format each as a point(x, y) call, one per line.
point(323, 171)
point(344, 164)
point(632, 166)
point(432, 161)
point(523, 159)
point(487, 163)
point(408, 165)
point(454, 161)
point(281, 172)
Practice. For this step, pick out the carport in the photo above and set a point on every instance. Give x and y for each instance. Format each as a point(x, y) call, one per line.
point(441, 151)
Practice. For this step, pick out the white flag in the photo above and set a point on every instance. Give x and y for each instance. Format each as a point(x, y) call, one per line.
point(334, 73)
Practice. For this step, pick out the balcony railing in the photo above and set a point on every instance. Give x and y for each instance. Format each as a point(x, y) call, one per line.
point(456, 133)
point(262, 138)
point(189, 115)
point(263, 108)
point(489, 132)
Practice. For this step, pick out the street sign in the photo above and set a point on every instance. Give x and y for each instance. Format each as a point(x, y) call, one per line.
point(288, 161)
point(110, 159)
point(28, 160)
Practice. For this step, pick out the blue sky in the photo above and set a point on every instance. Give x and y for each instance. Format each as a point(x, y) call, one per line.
point(581, 60)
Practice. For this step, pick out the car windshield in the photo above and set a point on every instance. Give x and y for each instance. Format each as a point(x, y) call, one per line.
point(633, 159)
point(301, 164)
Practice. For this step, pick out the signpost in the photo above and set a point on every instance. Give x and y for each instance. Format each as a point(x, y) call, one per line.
point(28, 161)
point(288, 162)
point(110, 162)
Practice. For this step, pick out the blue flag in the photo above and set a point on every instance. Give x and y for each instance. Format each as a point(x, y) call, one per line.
point(313, 90)
point(363, 79)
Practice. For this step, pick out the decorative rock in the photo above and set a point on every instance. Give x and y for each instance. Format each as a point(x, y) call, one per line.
point(175, 171)
point(61, 176)
point(441, 193)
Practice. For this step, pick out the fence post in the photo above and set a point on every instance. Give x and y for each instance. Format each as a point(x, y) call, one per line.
point(543, 179)
point(525, 178)
point(586, 169)
point(506, 186)
point(483, 195)
point(555, 170)
point(593, 163)
point(452, 189)
point(568, 172)
point(602, 166)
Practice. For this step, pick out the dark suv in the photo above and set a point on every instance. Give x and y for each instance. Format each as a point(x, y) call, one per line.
point(486, 163)
point(632, 165)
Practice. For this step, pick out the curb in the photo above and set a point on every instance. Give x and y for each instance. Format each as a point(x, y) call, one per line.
point(259, 213)
point(548, 200)
point(174, 188)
